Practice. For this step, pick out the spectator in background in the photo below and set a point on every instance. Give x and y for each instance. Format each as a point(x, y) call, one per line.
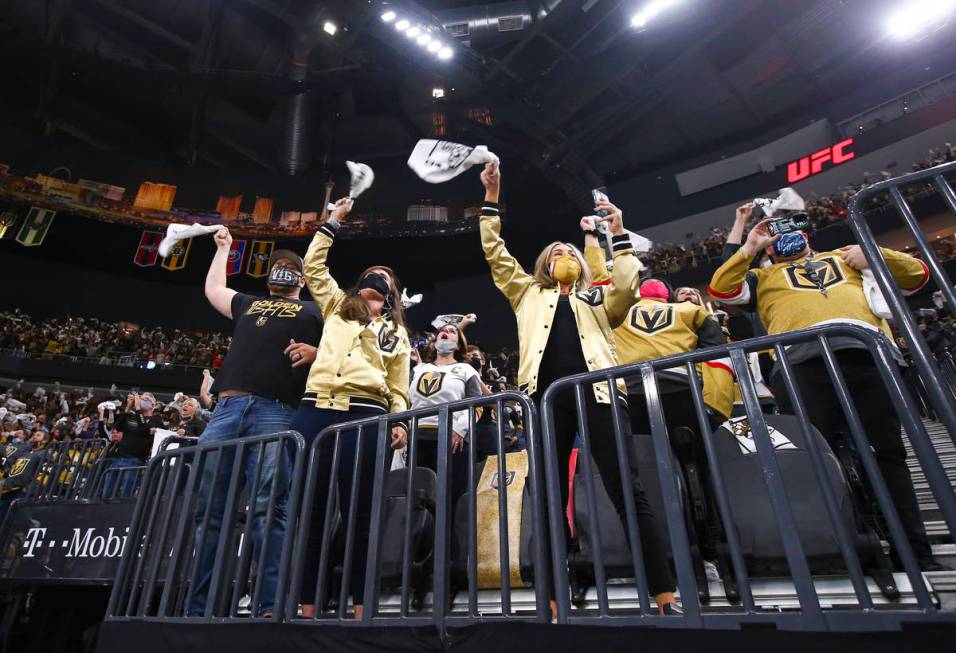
point(19, 467)
point(191, 425)
point(133, 441)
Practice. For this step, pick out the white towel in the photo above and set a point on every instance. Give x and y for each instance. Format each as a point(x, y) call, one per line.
point(361, 180)
point(874, 296)
point(409, 301)
point(439, 161)
point(177, 232)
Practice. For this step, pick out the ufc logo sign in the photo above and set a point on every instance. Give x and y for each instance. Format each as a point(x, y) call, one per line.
point(813, 164)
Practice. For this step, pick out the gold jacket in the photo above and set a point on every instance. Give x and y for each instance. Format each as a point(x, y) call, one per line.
point(356, 364)
point(597, 310)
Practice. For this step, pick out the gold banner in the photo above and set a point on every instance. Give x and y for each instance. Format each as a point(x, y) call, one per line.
point(489, 538)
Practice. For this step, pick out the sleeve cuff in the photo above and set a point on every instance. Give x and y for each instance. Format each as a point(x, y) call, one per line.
point(330, 228)
point(621, 243)
point(489, 208)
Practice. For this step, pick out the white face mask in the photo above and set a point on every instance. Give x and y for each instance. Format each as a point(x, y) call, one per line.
point(444, 347)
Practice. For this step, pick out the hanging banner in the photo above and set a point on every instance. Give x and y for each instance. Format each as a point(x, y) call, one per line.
point(7, 220)
point(148, 251)
point(258, 265)
point(236, 253)
point(35, 226)
point(178, 254)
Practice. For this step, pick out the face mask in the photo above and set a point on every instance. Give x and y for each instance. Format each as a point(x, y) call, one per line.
point(445, 346)
point(790, 244)
point(281, 276)
point(144, 404)
point(654, 289)
point(566, 269)
point(375, 282)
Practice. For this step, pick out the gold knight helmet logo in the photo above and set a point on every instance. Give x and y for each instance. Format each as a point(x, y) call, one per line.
point(652, 318)
point(261, 321)
point(430, 383)
point(824, 272)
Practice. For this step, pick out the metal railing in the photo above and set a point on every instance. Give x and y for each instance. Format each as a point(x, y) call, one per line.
point(922, 355)
point(209, 531)
point(790, 513)
point(409, 539)
point(67, 471)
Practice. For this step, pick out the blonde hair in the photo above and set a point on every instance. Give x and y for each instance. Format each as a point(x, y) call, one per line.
point(542, 275)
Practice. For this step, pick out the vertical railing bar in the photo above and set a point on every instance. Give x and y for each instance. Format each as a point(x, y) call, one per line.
point(600, 574)
point(540, 564)
point(181, 530)
point(147, 540)
point(503, 535)
point(407, 529)
point(350, 525)
point(440, 583)
point(205, 455)
point(877, 483)
point(829, 499)
point(680, 542)
point(217, 579)
point(631, 527)
point(297, 467)
point(471, 555)
point(330, 505)
point(274, 490)
point(372, 571)
point(776, 491)
point(241, 574)
point(146, 598)
point(720, 493)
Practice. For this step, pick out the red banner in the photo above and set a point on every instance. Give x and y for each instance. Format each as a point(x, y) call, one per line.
point(148, 251)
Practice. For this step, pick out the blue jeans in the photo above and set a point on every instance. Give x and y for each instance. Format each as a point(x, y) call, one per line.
point(310, 421)
point(120, 484)
point(243, 417)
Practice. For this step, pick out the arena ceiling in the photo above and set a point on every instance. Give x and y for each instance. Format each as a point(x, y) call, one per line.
point(569, 88)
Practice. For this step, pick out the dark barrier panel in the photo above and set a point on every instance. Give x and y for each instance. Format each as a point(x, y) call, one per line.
point(935, 381)
point(470, 522)
point(197, 547)
point(64, 542)
point(781, 499)
point(86, 374)
point(68, 471)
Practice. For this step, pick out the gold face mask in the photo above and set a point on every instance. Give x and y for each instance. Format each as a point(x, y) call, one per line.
point(565, 269)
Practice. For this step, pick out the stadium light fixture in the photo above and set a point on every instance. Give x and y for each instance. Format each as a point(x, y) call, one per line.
point(438, 92)
point(650, 11)
point(388, 16)
point(445, 53)
point(917, 17)
point(420, 32)
point(402, 25)
point(423, 39)
point(330, 28)
point(413, 31)
point(435, 46)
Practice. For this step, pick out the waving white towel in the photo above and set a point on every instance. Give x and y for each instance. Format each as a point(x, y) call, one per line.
point(438, 161)
point(177, 232)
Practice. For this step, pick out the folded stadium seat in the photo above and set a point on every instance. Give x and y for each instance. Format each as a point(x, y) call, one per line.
point(753, 516)
point(520, 542)
point(616, 552)
point(424, 489)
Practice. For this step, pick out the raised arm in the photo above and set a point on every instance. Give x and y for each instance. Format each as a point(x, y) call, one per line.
point(623, 292)
point(731, 283)
point(594, 256)
point(323, 288)
point(506, 272)
point(218, 294)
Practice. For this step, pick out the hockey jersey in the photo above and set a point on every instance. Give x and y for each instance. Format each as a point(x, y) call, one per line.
point(433, 385)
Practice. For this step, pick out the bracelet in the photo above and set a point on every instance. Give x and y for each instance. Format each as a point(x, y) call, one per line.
point(589, 232)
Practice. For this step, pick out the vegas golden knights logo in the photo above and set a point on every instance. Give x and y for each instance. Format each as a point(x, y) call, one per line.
point(387, 339)
point(19, 466)
point(592, 296)
point(509, 479)
point(430, 383)
point(652, 318)
point(826, 272)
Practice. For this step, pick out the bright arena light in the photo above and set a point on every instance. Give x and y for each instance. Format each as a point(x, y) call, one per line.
point(402, 25)
point(388, 16)
point(445, 53)
point(434, 46)
point(413, 32)
point(918, 17)
point(650, 11)
point(423, 39)
point(330, 28)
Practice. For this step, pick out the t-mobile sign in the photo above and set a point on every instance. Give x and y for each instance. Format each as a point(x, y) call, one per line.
point(813, 163)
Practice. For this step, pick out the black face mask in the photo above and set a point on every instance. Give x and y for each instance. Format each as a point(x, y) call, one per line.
point(375, 282)
point(475, 362)
point(281, 276)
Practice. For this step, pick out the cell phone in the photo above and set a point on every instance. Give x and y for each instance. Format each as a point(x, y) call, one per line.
point(598, 194)
point(789, 224)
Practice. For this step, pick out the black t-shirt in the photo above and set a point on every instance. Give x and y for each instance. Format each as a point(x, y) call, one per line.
point(137, 441)
point(263, 328)
point(563, 354)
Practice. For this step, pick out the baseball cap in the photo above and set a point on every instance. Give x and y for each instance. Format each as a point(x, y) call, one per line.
point(289, 255)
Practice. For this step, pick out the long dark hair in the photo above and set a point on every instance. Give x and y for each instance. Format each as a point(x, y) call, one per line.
point(459, 354)
point(355, 308)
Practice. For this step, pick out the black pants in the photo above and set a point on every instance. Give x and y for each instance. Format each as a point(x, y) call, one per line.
point(427, 457)
point(880, 424)
point(600, 427)
point(677, 404)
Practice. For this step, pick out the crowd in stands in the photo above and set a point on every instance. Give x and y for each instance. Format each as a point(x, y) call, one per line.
point(109, 342)
point(822, 211)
